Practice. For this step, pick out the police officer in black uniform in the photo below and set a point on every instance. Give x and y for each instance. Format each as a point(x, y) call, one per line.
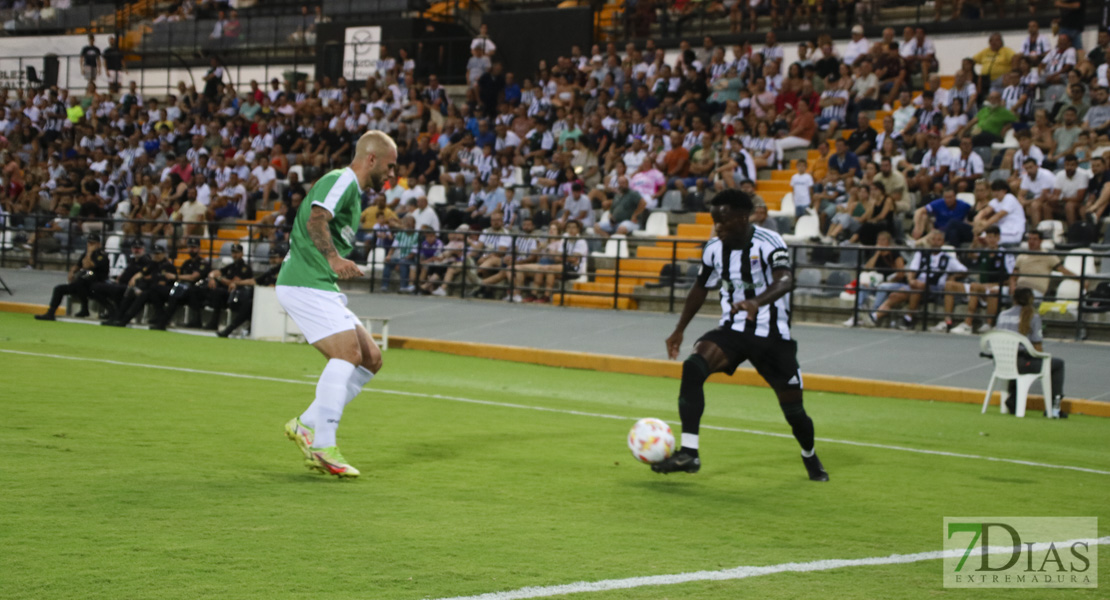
point(187, 289)
point(155, 278)
point(111, 293)
point(219, 280)
point(241, 301)
point(91, 268)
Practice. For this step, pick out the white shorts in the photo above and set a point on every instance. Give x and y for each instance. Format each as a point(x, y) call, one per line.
point(317, 313)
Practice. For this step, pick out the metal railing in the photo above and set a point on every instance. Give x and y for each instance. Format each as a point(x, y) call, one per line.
point(805, 21)
point(655, 280)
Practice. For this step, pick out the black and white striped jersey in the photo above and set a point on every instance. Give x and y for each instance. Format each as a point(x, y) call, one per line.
point(744, 273)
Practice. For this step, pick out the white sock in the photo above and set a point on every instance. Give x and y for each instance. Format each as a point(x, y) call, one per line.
point(359, 378)
point(331, 396)
point(690, 440)
point(810, 453)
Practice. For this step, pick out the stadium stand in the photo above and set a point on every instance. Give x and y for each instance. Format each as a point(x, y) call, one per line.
point(839, 141)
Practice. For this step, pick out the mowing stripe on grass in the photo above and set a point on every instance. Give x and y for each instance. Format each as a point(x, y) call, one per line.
point(555, 410)
point(745, 572)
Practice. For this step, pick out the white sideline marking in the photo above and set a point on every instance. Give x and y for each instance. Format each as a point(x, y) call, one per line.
point(557, 410)
point(745, 572)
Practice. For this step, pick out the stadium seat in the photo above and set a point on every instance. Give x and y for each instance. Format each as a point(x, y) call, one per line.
point(807, 282)
point(299, 170)
point(672, 201)
point(1052, 230)
point(437, 195)
point(1008, 141)
point(807, 226)
point(967, 197)
point(616, 246)
point(1003, 346)
point(657, 225)
point(835, 284)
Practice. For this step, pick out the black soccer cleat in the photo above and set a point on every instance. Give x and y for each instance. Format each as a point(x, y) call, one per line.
point(816, 469)
point(45, 317)
point(679, 461)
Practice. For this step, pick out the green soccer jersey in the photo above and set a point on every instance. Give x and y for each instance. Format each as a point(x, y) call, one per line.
point(305, 266)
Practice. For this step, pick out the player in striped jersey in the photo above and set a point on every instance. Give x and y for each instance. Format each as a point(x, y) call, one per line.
point(751, 266)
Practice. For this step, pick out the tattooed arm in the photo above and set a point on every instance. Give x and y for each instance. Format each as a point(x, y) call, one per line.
point(321, 238)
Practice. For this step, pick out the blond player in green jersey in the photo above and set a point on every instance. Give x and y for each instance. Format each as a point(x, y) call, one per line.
point(324, 232)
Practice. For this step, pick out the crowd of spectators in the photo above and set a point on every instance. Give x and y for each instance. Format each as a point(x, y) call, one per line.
point(587, 145)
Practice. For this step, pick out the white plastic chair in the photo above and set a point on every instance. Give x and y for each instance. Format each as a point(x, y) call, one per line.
point(299, 170)
point(966, 197)
point(657, 225)
point(437, 194)
point(615, 247)
point(807, 226)
point(1008, 141)
point(1051, 229)
point(786, 207)
point(1003, 346)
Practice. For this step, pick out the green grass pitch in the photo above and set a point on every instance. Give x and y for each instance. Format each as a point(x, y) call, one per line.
point(121, 481)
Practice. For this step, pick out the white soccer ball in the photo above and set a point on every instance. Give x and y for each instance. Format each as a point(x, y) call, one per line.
point(651, 441)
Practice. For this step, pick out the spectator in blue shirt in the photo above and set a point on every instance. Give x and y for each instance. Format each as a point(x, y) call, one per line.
point(844, 165)
point(512, 90)
point(947, 214)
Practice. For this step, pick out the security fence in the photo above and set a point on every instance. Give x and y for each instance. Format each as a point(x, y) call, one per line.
point(645, 273)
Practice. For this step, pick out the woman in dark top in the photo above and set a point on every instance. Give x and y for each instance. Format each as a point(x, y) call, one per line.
point(878, 218)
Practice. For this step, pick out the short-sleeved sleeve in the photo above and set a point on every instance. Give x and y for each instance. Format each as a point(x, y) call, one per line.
point(707, 274)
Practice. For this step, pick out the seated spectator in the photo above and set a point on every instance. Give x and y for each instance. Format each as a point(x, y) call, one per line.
point(623, 211)
point(563, 259)
point(1023, 318)
point(948, 215)
point(402, 256)
point(802, 128)
point(1068, 193)
point(888, 264)
point(1005, 211)
point(929, 273)
point(994, 62)
point(1038, 188)
point(524, 253)
point(1034, 269)
point(993, 268)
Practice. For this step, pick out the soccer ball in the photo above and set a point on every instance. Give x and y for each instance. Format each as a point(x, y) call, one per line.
point(651, 441)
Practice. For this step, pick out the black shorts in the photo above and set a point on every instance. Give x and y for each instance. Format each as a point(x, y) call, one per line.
point(776, 360)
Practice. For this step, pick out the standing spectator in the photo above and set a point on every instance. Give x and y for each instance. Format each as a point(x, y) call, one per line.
point(801, 183)
point(113, 64)
point(1073, 19)
point(90, 60)
point(477, 66)
point(483, 41)
point(402, 255)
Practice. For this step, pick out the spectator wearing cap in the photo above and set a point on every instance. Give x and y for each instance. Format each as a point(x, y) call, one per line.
point(186, 289)
point(241, 299)
point(90, 269)
point(857, 47)
point(155, 279)
point(218, 285)
point(110, 293)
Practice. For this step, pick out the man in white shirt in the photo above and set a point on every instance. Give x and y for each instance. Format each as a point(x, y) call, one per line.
point(262, 178)
point(1005, 211)
point(424, 214)
point(857, 47)
point(966, 168)
point(635, 156)
point(204, 191)
point(577, 206)
point(1071, 189)
point(1038, 186)
point(231, 201)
